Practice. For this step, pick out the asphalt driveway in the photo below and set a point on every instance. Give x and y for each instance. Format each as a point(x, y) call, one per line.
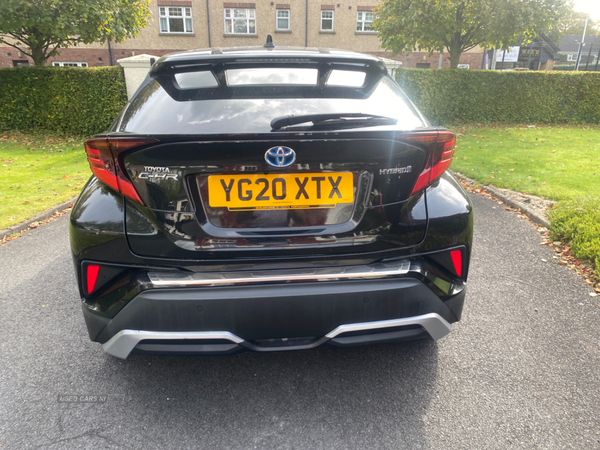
point(521, 370)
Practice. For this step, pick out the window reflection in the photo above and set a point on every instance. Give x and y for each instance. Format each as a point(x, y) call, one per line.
point(346, 78)
point(196, 80)
point(153, 111)
point(240, 77)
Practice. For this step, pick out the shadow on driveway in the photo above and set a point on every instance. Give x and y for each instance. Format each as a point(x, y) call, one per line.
point(362, 397)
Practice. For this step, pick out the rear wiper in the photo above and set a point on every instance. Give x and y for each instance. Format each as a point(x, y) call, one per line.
point(332, 119)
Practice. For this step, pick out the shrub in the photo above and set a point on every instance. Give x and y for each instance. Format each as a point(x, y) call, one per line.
point(578, 221)
point(480, 96)
point(571, 66)
point(70, 101)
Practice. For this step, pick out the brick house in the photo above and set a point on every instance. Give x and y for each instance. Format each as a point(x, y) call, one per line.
point(192, 24)
point(569, 48)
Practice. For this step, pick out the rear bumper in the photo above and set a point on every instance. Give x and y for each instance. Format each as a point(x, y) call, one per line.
point(226, 319)
point(125, 341)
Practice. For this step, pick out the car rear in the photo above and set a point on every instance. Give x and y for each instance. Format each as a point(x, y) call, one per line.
point(265, 200)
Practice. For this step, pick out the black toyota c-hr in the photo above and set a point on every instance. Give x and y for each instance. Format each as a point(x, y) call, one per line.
point(269, 199)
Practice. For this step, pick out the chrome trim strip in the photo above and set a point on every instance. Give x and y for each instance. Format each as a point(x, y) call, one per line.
point(434, 324)
point(122, 343)
point(379, 270)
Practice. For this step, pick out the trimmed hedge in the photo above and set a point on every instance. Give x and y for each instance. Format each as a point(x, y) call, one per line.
point(578, 221)
point(465, 96)
point(80, 101)
point(70, 101)
point(571, 67)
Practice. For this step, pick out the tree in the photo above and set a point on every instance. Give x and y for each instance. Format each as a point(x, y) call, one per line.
point(573, 23)
point(39, 28)
point(460, 25)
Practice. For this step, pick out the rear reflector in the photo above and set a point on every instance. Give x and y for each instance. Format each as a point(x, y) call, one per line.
point(103, 156)
point(456, 256)
point(91, 276)
point(441, 151)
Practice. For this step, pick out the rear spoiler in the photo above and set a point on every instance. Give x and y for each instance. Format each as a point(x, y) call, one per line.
point(165, 68)
point(216, 56)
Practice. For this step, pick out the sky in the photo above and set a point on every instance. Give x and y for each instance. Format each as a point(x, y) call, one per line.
point(592, 7)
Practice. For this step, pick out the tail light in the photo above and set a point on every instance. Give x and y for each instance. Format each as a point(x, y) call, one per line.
point(441, 147)
point(103, 156)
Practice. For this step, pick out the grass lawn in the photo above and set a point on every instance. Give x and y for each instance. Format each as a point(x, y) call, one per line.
point(557, 162)
point(38, 172)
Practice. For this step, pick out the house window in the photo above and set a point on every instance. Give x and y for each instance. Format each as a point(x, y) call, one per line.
point(364, 21)
point(175, 19)
point(68, 64)
point(327, 20)
point(283, 19)
point(572, 57)
point(240, 21)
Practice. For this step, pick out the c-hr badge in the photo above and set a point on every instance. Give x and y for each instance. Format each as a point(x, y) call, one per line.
point(152, 173)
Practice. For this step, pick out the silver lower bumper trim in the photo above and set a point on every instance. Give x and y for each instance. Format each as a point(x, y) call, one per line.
point(122, 343)
point(371, 271)
point(433, 323)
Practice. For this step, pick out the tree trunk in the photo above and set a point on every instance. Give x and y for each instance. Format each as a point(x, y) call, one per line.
point(38, 56)
point(454, 58)
point(455, 52)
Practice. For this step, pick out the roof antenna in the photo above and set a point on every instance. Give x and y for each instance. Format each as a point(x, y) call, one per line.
point(269, 43)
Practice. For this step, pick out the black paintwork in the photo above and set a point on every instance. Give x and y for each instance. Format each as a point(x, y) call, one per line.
point(228, 133)
point(164, 228)
point(98, 218)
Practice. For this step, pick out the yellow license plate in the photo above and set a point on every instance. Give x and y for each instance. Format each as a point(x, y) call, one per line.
point(280, 191)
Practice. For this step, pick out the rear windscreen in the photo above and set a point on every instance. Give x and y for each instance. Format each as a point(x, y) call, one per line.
point(247, 100)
